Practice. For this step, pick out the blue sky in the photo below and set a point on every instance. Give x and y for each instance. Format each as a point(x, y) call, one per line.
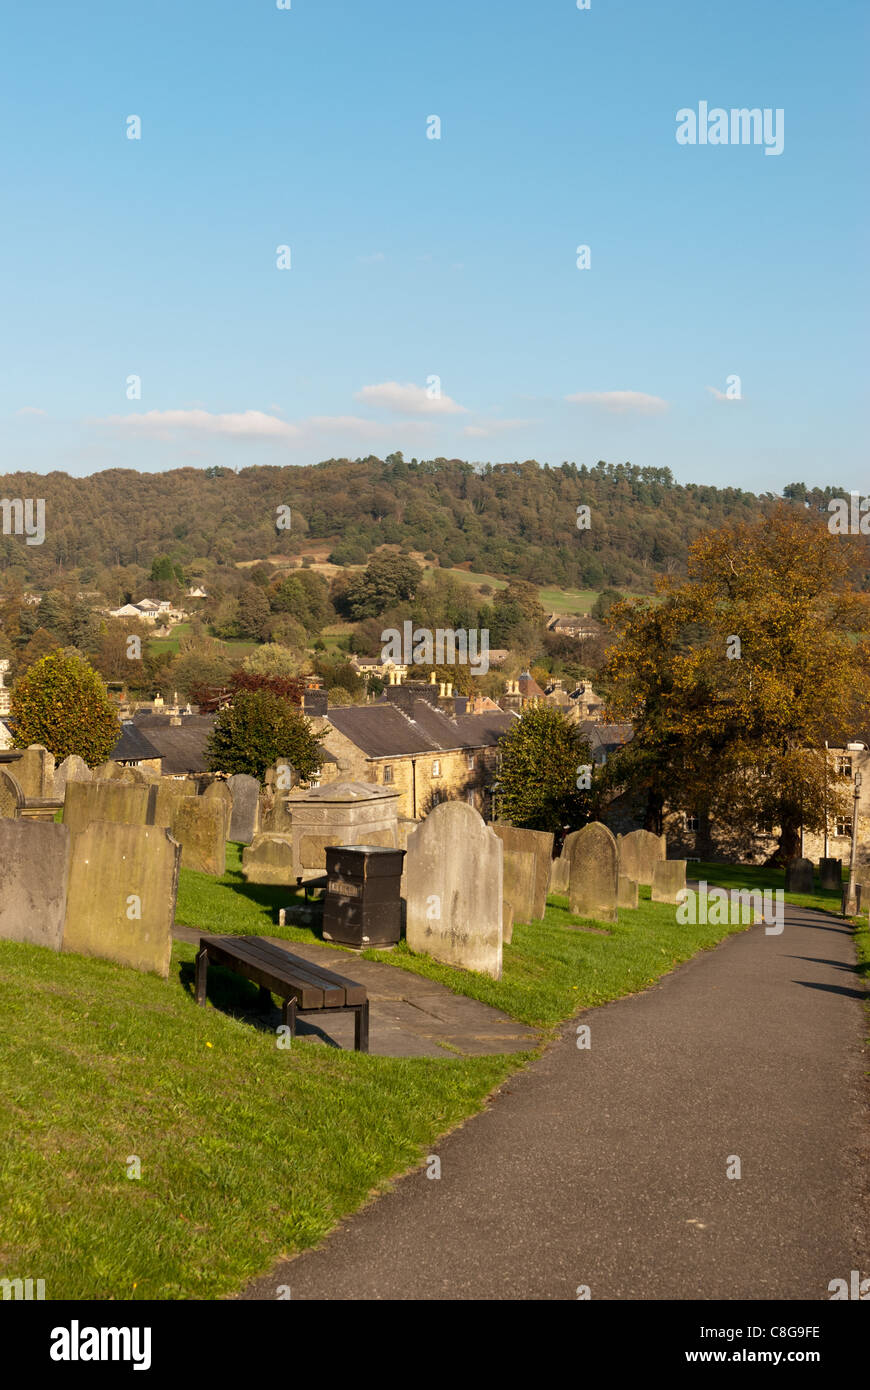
point(414, 258)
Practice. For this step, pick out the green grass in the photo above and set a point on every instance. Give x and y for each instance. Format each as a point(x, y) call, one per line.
point(247, 1151)
point(755, 876)
point(550, 970)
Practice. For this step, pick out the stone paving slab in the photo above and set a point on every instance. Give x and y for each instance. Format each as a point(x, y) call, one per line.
point(411, 1016)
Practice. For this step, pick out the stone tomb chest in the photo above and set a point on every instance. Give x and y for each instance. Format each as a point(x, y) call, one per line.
point(339, 813)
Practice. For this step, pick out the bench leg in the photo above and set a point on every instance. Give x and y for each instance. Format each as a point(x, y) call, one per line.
point(265, 999)
point(201, 974)
point(289, 1012)
point(361, 1027)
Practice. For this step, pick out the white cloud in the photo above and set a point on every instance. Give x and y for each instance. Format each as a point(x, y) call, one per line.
point(245, 424)
point(251, 425)
point(374, 259)
point(30, 410)
point(408, 399)
point(721, 395)
point(621, 402)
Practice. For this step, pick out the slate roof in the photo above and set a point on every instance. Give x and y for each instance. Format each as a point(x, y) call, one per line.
point(133, 746)
point(384, 731)
point(181, 746)
point(606, 738)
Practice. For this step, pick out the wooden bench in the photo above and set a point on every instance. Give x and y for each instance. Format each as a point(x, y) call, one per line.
point(303, 987)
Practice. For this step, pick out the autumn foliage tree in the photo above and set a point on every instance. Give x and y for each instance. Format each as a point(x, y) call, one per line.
point(61, 703)
point(736, 679)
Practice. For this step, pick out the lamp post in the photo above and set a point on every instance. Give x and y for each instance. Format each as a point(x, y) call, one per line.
point(850, 902)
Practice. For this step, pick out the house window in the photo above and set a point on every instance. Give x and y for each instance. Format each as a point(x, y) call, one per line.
point(844, 826)
point(469, 796)
point(692, 822)
point(843, 766)
point(471, 762)
point(388, 773)
point(436, 768)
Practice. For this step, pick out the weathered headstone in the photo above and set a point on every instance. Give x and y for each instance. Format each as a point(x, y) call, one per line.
point(669, 879)
point(639, 852)
point(799, 876)
point(453, 886)
point(199, 826)
point(274, 813)
point(269, 859)
point(594, 873)
point(626, 893)
point(34, 870)
point(72, 769)
point(123, 884)
point(560, 871)
point(246, 807)
point(34, 773)
point(540, 844)
point(518, 882)
point(831, 874)
point(108, 772)
point(220, 793)
point(507, 922)
point(166, 792)
point(118, 802)
point(11, 796)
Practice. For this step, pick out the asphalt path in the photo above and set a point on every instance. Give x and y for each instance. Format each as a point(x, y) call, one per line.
point(607, 1168)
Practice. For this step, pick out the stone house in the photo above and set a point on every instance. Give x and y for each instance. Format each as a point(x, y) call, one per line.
point(688, 836)
point(421, 743)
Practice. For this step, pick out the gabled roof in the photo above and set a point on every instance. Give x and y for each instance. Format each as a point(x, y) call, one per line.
point(382, 730)
point(133, 746)
point(181, 746)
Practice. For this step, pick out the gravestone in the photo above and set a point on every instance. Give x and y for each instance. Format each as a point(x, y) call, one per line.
point(199, 826)
point(166, 792)
point(518, 882)
point(273, 812)
point(123, 884)
point(540, 844)
point(269, 859)
point(108, 772)
point(799, 876)
point(639, 852)
point(507, 922)
point(593, 880)
point(34, 773)
point(118, 802)
point(220, 794)
point(246, 807)
point(72, 769)
point(669, 879)
point(453, 886)
point(11, 796)
point(34, 870)
point(560, 870)
point(831, 874)
point(626, 893)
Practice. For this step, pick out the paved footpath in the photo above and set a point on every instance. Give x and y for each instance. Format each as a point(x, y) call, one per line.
point(607, 1167)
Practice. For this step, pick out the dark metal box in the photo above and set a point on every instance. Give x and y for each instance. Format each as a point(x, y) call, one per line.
point(362, 905)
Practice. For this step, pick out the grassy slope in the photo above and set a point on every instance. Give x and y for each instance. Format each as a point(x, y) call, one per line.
point(247, 1150)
